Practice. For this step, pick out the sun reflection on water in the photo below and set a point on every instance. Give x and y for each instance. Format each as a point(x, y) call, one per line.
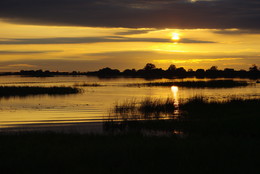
point(175, 91)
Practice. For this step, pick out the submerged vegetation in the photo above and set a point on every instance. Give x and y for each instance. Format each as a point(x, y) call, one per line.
point(12, 91)
point(196, 84)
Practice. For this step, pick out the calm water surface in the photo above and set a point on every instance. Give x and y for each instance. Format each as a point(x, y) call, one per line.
point(94, 103)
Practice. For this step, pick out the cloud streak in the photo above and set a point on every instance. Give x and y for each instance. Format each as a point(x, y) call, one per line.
point(21, 65)
point(181, 14)
point(237, 31)
point(8, 52)
point(79, 40)
point(133, 32)
point(136, 59)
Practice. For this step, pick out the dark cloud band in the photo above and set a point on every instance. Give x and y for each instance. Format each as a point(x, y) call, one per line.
point(135, 13)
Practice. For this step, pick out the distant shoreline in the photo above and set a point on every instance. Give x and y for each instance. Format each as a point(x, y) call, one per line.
point(149, 71)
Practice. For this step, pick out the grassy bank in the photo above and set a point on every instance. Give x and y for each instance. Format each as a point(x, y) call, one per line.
point(196, 84)
point(12, 91)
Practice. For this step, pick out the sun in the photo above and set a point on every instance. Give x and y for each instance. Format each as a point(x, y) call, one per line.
point(175, 36)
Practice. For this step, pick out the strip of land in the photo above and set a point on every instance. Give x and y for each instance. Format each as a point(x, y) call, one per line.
point(20, 91)
point(195, 84)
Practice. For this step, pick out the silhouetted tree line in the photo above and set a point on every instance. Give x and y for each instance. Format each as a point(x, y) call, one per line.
point(150, 71)
point(41, 73)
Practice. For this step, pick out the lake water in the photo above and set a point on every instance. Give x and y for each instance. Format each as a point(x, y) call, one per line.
point(94, 103)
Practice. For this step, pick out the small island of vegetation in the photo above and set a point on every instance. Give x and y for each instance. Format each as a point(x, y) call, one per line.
point(21, 91)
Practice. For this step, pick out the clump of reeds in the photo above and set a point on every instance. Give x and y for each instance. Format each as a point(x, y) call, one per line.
point(196, 84)
point(145, 109)
point(9, 91)
point(126, 107)
point(157, 106)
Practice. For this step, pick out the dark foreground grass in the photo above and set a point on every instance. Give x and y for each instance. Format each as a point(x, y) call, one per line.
point(10, 91)
point(196, 84)
point(218, 137)
point(128, 154)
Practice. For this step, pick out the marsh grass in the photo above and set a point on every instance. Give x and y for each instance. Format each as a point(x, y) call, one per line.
point(200, 107)
point(198, 115)
point(157, 106)
point(12, 91)
point(126, 106)
point(147, 108)
point(195, 84)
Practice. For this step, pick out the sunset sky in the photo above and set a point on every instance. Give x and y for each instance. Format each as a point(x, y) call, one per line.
point(86, 35)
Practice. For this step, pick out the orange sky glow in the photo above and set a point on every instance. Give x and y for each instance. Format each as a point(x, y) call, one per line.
point(33, 45)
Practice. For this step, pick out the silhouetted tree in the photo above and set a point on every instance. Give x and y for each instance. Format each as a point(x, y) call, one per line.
point(180, 71)
point(200, 71)
point(74, 72)
point(229, 70)
point(39, 71)
point(213, 68)
point(171, 68)
point(253, 68)
point(129, 72)
point(149, 66)
point(108, 72)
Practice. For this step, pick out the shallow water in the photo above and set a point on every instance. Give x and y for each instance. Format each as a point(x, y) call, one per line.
point(94, 103)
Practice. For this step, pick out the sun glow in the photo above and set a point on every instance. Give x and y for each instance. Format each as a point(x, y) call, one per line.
point(175, 36)
point(175, 90)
